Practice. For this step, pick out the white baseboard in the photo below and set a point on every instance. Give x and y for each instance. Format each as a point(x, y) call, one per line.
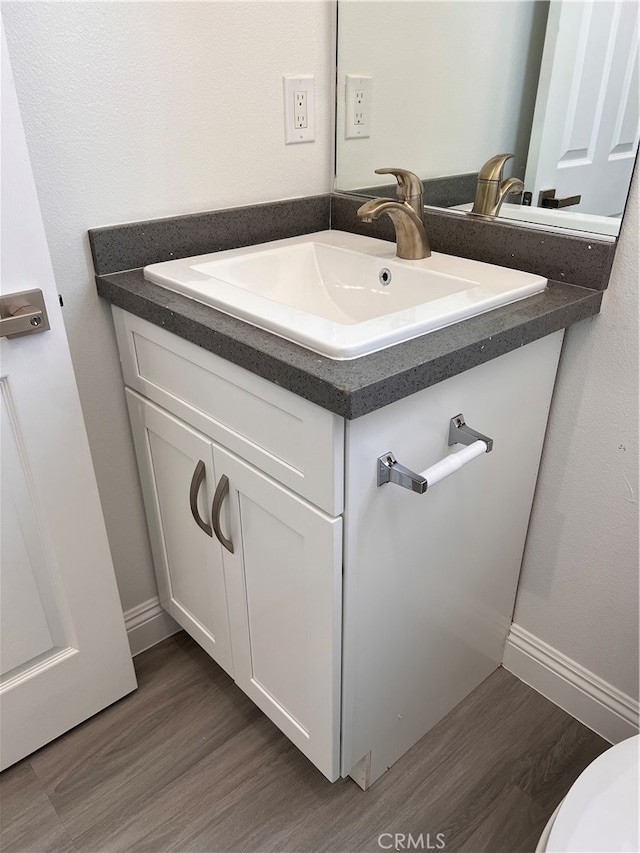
point(147, 624)
point(597, 704)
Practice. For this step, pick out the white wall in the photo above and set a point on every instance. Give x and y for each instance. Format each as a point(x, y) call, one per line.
point(578, 589)
point(454, 83)
point(139, 110)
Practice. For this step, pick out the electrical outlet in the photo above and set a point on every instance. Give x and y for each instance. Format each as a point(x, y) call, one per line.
point(299, 109)
point(358, 115)
point(300, 119)
point(358, 91)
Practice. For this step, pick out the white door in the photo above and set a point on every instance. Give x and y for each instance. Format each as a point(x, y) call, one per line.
point(65, 654)
point(284, 588)
point(177, 476)
point(586, 122)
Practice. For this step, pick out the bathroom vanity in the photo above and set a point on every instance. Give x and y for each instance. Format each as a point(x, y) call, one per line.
point(354, 615)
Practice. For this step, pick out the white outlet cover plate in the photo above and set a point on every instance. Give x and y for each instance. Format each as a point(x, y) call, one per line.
point(358, 86)
point(291, 85)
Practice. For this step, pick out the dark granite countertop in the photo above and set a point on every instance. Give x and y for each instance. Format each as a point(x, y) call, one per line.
point(354, 388)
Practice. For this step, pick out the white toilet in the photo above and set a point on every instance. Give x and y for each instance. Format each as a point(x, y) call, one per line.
point(600, 812)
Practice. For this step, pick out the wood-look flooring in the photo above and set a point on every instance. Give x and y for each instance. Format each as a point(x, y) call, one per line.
point(188, 763)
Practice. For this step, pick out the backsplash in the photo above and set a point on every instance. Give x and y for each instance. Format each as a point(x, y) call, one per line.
point(136, 244)
point(560, 257)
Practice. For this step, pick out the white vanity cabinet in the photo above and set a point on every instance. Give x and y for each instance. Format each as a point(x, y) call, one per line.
point(354, 615)
point(265, 598)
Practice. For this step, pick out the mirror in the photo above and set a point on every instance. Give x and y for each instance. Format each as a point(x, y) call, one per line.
point(440, 86)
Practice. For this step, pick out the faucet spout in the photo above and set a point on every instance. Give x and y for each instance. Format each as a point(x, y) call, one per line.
point(509, 187)
point(411, 236)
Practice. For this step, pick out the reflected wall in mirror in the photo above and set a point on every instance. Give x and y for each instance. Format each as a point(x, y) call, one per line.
point(440, 86)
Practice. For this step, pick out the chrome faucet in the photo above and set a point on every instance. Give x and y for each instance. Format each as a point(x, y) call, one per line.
point(407, 214)
point(492, 189)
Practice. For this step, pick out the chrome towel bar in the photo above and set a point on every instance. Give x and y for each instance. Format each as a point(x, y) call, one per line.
point(391, 471)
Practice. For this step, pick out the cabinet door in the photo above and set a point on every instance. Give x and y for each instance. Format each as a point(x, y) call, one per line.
point(175, 460)
point(284, 587)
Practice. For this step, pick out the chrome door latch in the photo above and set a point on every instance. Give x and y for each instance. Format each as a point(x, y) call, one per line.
point(23, 313)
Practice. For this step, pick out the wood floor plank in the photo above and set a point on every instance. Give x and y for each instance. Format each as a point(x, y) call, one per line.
point(28, 821)
point(459, 772)
point(210, 793)
point(549, 777)
point(448, 782)
point(513, 825)
point(187, 763)
point(108, 768)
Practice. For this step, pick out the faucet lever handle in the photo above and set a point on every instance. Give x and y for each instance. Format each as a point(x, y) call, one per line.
point(492, 169)
point(409, 187)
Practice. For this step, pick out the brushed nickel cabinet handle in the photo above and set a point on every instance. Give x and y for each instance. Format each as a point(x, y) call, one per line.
point(196, 482)
point(222, 490)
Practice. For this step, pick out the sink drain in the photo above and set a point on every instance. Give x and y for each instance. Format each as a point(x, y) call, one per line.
point(384, 276)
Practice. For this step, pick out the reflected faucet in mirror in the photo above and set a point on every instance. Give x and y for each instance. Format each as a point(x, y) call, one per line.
point(492, 189)
point(567, 106)
point(407, 214)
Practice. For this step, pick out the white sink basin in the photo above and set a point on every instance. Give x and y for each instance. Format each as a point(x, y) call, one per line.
point(343, 295)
